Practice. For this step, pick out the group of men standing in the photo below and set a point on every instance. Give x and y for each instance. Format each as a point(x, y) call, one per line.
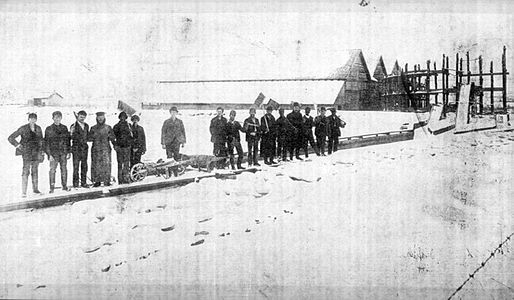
point(278, 137)
point(60, 144)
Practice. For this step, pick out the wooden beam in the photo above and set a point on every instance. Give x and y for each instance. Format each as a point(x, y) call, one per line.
point(504, 78)
point(481, 83)
point(247, 80)
point(492, 88)
point(467, 67)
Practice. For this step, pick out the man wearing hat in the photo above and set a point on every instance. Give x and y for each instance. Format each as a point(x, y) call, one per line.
point(295, 117)
point(138, 142)
point(124, 137)
point(173, 135)
point(268, 137)
point(252, 128)
point(308, 123)
point(30, 147)
point(79, 131)
point(218, 129)
point(102, 137)
point(234, 140)
point(321, 130)
point(285, 135)
point(58, 149)
point(334, 123)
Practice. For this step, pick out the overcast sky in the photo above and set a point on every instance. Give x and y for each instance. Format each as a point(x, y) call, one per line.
point(90, 50)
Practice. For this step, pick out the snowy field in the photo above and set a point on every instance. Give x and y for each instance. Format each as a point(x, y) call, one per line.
point(408, 220)
point(197, 132)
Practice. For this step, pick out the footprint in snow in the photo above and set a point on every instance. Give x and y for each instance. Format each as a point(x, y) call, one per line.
point(201, 233)
point(168, 228)
point(247, 230)
point(40, 287)
point(204, 220)
point(198, 242)
point(288, 212)
point(225, 234)
point(106, 269)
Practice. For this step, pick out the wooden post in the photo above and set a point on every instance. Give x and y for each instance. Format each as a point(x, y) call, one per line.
point(492, 88)
point(443, 83)
point(447, 78)
point(461, 71)
point(504, 79)
point(467, 67)
point(481, 83)
point(427, 84)
point(457, 71)
point(435, 82)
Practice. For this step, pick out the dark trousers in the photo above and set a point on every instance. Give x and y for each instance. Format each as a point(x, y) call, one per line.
point(79, 163)
point(135, 157)
point(235, 145)
point(253, 150)
point(29, 167)
point(309, 138)
point(59, 159)
point(173, 151)
point(333, 141)
point(123, 157)
point(282, 147)
point(268, 146)
point(298, 144)
point(321, 141)
point(219, 149)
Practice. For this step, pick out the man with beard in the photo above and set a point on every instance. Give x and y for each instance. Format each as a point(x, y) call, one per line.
point(139, 141)
point(268, 137)
point(234, 140)
point(124, 136)
point(102, 137)
point(173, 135)
point(218, 129)
point(57, 147)
point(334, 123)
point(295, 117)
point(30, 147)
point(308, 137)
point(252, 128)
point(321, 130)
point(79, 148)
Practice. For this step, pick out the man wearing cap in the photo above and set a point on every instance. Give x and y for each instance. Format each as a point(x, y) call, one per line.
point(252, 128)
point(173, 135)
point(268, 137)
point(234, 140)
point(79, 131)
point(102, 137)
point(308, 137)
point(57, 147)
point(296, 119)
point(139, 141)
point(333, 124)
point(30, 147)
point(123, 147)
point(218, 129)
point(321, 130)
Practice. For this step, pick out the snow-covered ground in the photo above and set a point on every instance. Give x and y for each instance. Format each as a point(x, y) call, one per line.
point(407, 220)
point(197, 131)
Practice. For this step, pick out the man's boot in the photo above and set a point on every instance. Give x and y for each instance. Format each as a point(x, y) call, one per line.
point(232, 165)
point(272, 162)
point(266, 161)
point(239, 161)
point(35, 189)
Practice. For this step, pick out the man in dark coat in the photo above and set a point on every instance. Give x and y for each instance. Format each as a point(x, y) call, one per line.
point(234, 140)
point(124, 137)
point(321, 131)
point(173, 135)
point(252, 128)
point(334, 123)
point(139, 141)
point(30, 147)
point(308, 137)
point(58, 149)
point(218, 129)
point(268, 136)
point(102, 137)
point(79, 148)
point(296, 119)
point(285, 135)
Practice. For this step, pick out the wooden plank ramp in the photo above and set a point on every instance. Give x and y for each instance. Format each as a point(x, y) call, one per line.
point(112, 191)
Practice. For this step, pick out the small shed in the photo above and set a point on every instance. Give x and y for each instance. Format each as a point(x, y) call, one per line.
point(53, 99)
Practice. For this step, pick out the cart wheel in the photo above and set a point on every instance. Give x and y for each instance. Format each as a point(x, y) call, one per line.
point(180, 170)
point(138, 172)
